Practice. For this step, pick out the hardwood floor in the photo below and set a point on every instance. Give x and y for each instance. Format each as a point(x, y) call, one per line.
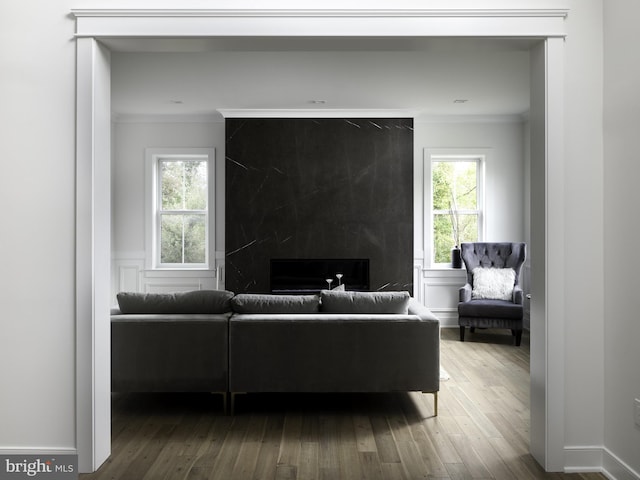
point(481, 432)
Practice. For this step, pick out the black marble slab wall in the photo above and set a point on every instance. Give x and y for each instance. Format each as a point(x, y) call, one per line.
point(319, 188)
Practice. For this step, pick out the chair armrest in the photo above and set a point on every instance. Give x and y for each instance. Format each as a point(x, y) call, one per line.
point(518, 296)
point(464, 293)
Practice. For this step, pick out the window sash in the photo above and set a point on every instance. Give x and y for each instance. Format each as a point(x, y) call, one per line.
point(185, 249)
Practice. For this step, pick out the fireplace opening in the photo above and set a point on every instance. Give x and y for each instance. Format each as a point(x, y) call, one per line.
point(300, 276)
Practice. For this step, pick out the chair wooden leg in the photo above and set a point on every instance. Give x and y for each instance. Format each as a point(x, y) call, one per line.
point(518, 337)
point(461, 333)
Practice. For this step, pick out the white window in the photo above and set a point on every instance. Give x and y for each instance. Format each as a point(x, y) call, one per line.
point(180, 208)
point(456, 202)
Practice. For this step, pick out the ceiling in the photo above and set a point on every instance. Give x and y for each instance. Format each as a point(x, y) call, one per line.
point(422, 76)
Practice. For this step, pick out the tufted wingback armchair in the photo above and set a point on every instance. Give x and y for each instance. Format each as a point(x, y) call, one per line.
point(475, 307)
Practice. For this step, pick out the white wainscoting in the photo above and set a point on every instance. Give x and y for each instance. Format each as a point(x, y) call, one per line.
point(437, 289)
point(128, 274)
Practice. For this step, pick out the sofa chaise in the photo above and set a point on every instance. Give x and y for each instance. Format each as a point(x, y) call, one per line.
point(216, 341)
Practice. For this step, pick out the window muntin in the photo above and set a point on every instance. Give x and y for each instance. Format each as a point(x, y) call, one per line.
point(456, 203)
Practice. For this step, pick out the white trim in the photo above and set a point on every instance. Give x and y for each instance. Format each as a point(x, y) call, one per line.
point(316, 113)
point(331, 13)
point(472, 119)
point(38, 451)
point(135, 118)
point(580, 459)
point(178, 273)
point(596, 458)
point(152, 155)
point(93, 276)
point(613, 467)
point(402, 23)
point(555, 257)
point(175, 23)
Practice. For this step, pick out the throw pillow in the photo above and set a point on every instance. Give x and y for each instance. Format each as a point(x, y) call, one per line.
point(196, 301)
point(265, 303)
point(493, 283)
point(364, 302)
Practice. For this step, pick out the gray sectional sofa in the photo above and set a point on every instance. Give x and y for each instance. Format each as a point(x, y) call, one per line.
point(219, 342)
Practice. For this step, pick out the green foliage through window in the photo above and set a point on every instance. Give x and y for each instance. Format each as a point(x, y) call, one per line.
point(456, 214)
point(183, 211)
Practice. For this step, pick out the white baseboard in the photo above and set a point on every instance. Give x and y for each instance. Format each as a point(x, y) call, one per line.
point(40, 451)
point(616, 469)
point(597, 459)
point(583, 459)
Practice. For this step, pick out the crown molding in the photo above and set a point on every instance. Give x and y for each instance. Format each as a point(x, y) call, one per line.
point(223, 113)
point(317, 113)
point(151, 118)
point(426, 118)
point(332, 13)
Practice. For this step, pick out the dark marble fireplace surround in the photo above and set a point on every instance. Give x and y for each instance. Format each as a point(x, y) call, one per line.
point(339, 188)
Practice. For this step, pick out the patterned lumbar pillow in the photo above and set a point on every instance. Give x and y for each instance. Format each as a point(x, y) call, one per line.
point(493, 283)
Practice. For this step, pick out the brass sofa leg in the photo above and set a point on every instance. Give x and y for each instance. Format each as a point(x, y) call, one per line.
point(435, 403)
point(224, 400)
point(233, 401)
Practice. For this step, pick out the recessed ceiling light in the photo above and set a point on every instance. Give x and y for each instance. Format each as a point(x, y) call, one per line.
point(176, 102)
point(318, 102)
point(460, 100)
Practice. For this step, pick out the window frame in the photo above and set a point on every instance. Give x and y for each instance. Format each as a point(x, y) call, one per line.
point(478, 155)
point(153, 194)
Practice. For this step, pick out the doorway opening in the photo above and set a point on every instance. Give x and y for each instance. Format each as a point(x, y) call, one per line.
point(93, 230)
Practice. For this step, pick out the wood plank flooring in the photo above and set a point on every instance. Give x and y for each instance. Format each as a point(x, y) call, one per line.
point(481, 432)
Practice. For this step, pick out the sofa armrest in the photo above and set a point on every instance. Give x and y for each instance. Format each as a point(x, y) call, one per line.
point(416, 308)
point(464, 293)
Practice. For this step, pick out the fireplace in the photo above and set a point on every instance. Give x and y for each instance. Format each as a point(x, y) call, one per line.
point(303, 275)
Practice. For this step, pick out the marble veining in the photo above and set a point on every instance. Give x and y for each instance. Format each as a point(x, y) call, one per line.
point(319, 188)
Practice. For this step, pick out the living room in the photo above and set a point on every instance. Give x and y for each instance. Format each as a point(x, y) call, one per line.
point(498, 135)
point(488, 120)
point(588, 349)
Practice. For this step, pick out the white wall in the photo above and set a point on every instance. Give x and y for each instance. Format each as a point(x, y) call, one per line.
point(621, 233)
point(37, 239)
point(131, 136)
point(38, 283)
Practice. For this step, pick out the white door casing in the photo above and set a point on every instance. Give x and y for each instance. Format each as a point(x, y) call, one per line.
point(93, 191)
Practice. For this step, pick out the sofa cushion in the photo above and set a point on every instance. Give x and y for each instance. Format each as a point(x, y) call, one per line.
point(265, 303)
point(364, 302)
point(490, 309)
point(197, 301)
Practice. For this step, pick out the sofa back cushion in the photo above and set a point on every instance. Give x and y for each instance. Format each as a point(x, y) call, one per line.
point(364, 302)
point(197, 301)
point(265, 303)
